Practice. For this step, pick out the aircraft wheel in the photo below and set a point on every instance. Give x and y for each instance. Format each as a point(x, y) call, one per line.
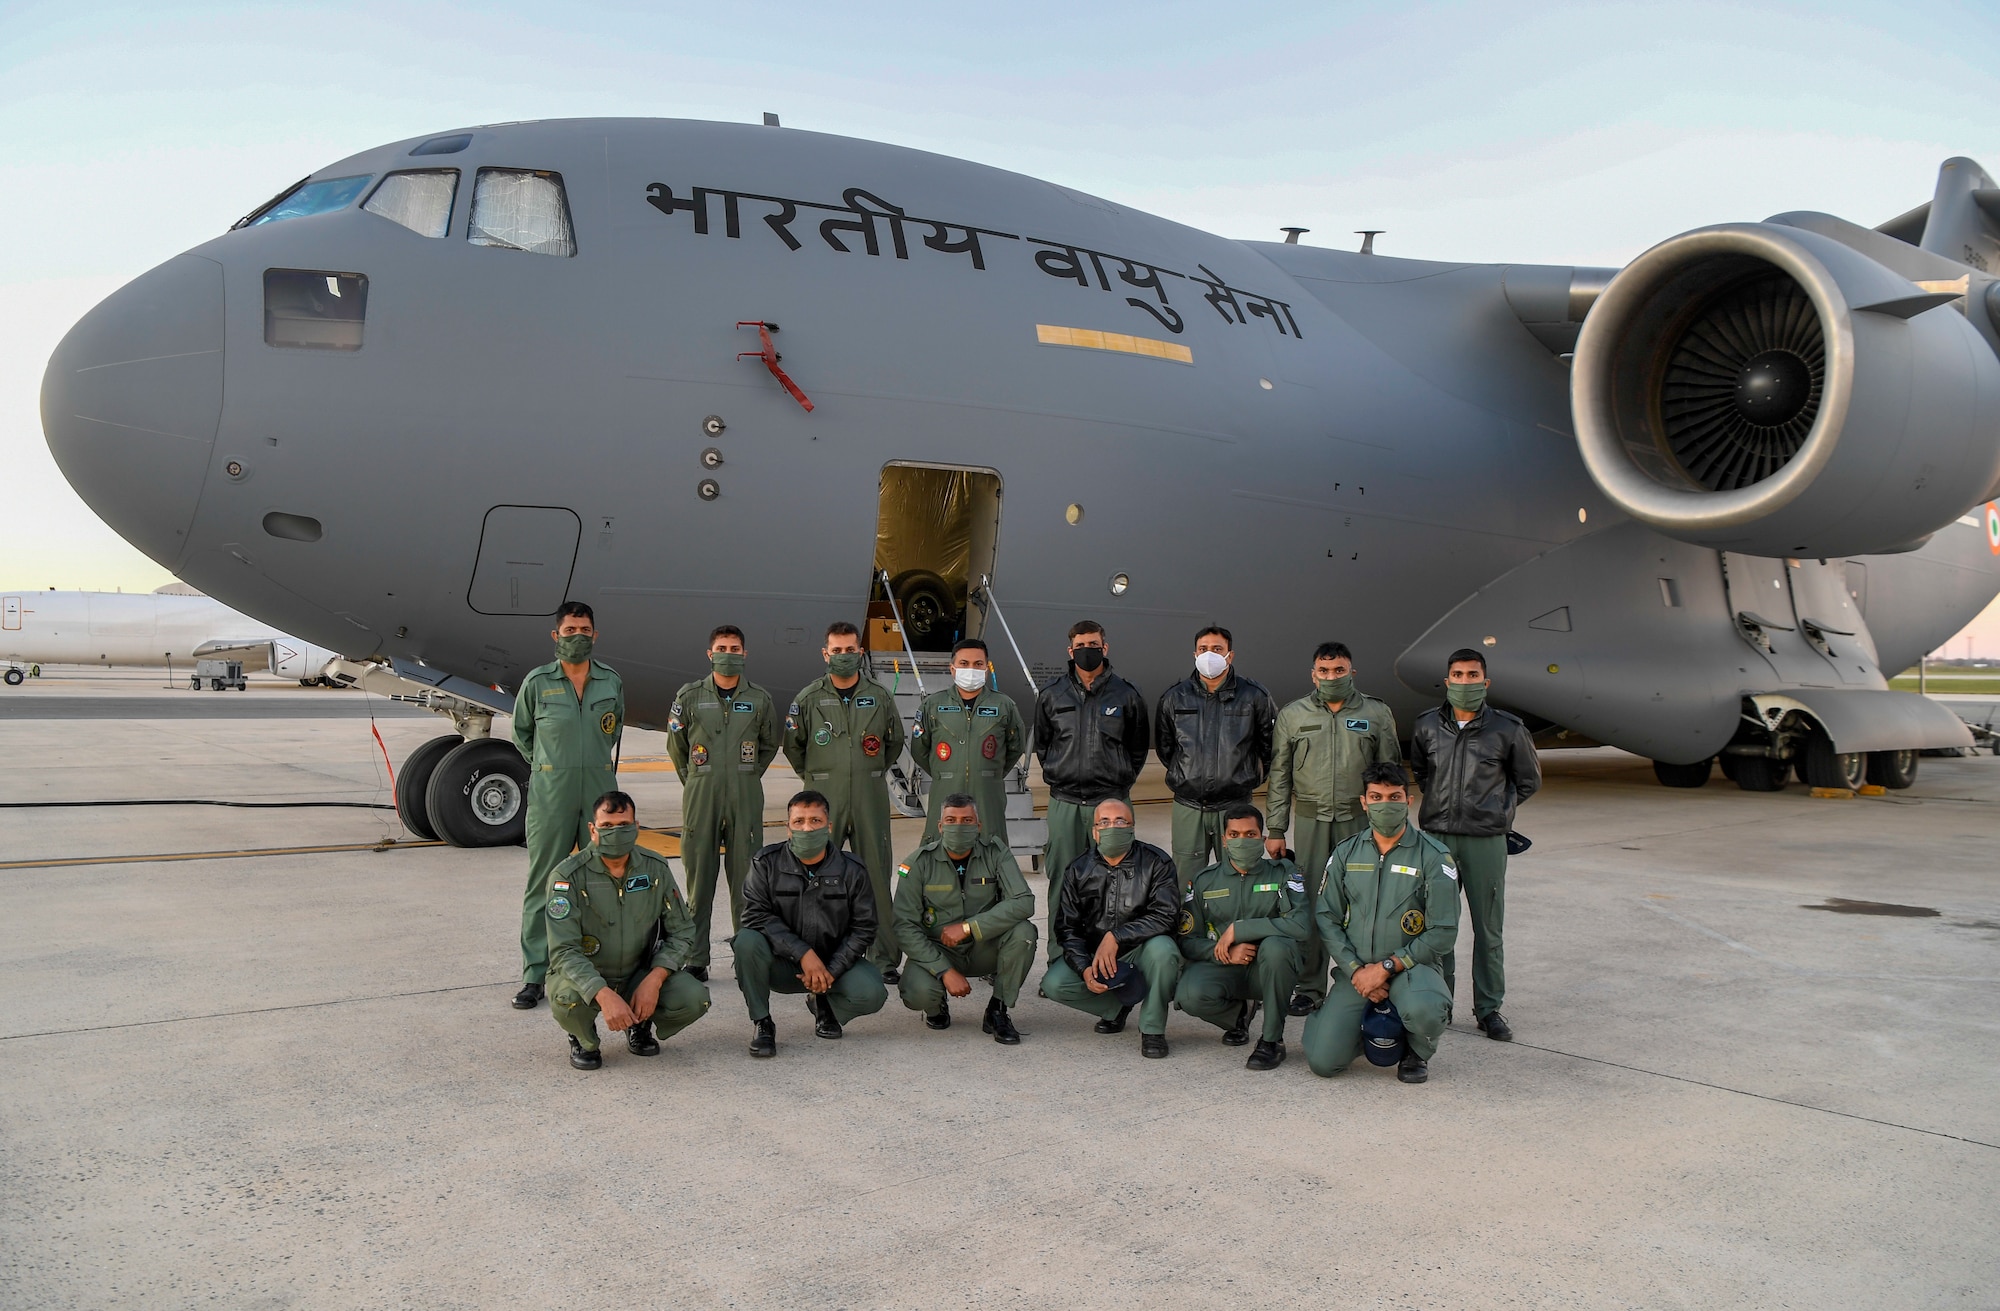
point(478, 795)
point(1683, 776)
point(1760, 773)
point(1727, 763)
point(928, 613)
point(1892, 769)
point(413, 782)
point(15, 678)
point(1827, 768)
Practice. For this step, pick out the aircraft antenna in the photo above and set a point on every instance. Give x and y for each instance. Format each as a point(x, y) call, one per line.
point(1292, 235)
point(1368, 236)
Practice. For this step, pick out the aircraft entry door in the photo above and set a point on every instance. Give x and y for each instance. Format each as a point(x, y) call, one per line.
point(526, 553)
point(936, 532)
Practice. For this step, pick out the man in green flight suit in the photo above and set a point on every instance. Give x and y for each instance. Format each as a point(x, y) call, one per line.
point(722, 734)
point(1387, 916)
point(619, 935)
point(1241, 934)
point(962, 912)
point(967, 737)
point(841, 733)
point(1319, 747)
point(568, 717)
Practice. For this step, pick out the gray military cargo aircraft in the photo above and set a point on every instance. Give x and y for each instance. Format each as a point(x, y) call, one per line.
point(696, 373)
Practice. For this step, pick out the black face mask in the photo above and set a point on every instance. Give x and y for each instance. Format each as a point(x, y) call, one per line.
point(1089, 659)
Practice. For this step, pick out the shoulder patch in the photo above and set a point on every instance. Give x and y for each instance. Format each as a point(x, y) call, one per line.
point(903, 868)
point(558, 908)
point(1450, 872)
point(1297, 883)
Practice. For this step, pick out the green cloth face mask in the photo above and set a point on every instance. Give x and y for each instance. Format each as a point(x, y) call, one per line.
point(844, 664)
point(1114, 842)
point(615, 840)
point(958, 838)
point(1465, 696)
point(727, 663)
point(575, 648)
point(809, 844)
point(1334, 689)
point(1244, 853)
point(1388, 817)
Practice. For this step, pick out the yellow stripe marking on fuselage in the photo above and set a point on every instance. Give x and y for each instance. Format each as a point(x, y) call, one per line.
point(1091, 339)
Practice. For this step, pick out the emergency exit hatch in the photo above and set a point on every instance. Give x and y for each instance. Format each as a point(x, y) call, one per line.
point(936, 532)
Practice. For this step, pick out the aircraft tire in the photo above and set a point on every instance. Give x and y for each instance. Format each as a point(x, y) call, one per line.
point(478, 795)
point(1827, 768)
point(15, 678)
point(1683, 776)
point(1892, 769)
point(1760, 774)
point(413, 782)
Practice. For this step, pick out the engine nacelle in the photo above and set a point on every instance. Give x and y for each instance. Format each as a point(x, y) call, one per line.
point(1760, 388)
point(294, 659)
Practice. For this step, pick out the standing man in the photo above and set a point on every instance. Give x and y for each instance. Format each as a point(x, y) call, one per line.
point(722, 734)
point(841, 732)
point(1388, 915)
point(1090, 731)
point(568, 717)
point(1117, 926)
point(1475, 764)
point(808, 918)
point(962, 912)
point(619, 935)
point(1240, 932)
point(967, 737)
point(1320, 746)
point(1213, 733)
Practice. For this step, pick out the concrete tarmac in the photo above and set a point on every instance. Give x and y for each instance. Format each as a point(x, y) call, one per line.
point(294, 1080)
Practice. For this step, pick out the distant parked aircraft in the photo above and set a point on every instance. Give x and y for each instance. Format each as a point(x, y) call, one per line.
point(175, 625)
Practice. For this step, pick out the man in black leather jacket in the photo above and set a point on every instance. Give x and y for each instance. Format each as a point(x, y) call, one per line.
point(1213, 733)
point(1090, 731)
point(808, 918)
point(1120, 900)
point(1476, 764)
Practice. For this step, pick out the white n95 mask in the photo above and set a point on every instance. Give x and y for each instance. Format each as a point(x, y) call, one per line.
point(969, 680)
point(1210, 664)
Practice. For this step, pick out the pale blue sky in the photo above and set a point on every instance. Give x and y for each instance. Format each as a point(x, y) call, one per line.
point(1560, 133)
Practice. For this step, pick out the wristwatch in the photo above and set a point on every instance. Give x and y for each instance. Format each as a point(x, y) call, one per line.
point(1390, 965)
point(967, 926)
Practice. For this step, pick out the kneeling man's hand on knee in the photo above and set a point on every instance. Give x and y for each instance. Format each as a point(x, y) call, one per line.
point(616, 1013)
point(1372, 982)
point(813, 973)
point(646, 999)
point(956, 984)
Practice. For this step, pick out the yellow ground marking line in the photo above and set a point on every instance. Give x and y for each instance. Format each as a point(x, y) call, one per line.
point(1048, 334)
point(247, 853)
point(660, 844)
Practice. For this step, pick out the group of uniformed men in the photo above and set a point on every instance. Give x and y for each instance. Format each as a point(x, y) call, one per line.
point(1243, 916)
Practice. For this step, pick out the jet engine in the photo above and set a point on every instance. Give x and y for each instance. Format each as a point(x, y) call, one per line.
point(1765, 389)
point(300, 660)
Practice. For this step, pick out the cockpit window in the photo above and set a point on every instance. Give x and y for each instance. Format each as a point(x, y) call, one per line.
point(420, 200)
point(521, 209)
point(309, 198)
point(314, 308)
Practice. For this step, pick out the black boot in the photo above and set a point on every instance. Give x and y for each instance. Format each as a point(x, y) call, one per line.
point(1413, 1069)
point(824, 1023)
point(1153, 1046)
point(1301, 1005)
point(525, 999)
point(697, 972)
point(1239, 1033)
point(942, 1018)
point(1000, 1025)
point(1496, 1028)
point(1268, 1056)
point(1116, 1024)
point(584, 1058)
point(639, 1039)
point(764, 1042)
point(892, 975)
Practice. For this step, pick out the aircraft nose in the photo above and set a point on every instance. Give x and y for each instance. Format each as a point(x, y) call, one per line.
point(131, 400)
